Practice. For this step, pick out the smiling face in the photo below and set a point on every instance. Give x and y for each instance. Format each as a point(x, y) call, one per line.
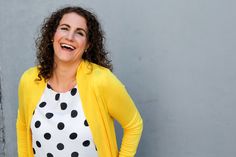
point(70, 39)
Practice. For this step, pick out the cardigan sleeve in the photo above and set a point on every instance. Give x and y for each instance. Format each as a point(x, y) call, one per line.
point(21, 123)
point(122, 108)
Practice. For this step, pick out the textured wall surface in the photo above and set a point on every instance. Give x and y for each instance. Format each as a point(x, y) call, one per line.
point(176, 58)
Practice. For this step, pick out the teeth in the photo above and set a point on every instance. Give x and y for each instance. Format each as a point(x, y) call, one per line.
point(68, 46)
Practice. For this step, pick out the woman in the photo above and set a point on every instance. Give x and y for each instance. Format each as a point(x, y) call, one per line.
point(69, 101)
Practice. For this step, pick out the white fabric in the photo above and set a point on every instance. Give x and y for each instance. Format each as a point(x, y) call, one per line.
point(51, 138)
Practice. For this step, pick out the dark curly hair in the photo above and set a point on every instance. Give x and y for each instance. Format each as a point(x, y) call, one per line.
point(96, 53)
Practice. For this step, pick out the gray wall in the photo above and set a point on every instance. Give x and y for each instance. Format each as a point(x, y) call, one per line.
point(176, 58)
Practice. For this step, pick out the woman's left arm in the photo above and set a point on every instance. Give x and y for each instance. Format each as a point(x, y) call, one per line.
point(122, 108)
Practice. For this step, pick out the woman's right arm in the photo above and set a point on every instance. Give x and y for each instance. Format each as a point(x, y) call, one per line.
point(21, 122)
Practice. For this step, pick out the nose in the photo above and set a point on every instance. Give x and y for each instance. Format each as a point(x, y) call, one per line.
point(70, 35)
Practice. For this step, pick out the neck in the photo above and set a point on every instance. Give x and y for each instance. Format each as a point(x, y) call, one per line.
point(64, 77)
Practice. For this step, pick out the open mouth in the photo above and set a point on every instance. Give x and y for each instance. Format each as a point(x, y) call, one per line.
point(67, 47)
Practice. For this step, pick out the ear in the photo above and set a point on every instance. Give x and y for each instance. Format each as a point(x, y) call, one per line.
point(87, 46)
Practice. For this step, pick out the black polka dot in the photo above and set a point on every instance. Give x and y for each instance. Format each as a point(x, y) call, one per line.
point(49, 115)
point(73, 135)
point(74, 113)
point(96, 148)
point(63, 105)
point(74, 154)
point(86, 143)
point(33, 112)
point(60, 146)
point(47, 136)
point(34, 150)
point(60, 126)
point(42, 104)
point(73, 91)
point(49, 87)
point(86, 123)
point(38, 144)
point(49, 155)
point(37, 124)
point(57, 96)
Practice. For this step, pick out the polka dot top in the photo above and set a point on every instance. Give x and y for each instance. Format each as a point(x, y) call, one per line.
point(59, 126)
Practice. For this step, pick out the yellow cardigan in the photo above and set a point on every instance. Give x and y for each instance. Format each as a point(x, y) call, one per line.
point(104, 98)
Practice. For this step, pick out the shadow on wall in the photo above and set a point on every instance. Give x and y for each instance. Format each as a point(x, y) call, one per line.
point(0, 90)
point(2, 137)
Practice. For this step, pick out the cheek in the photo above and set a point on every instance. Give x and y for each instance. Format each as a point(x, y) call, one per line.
point(83, 41)
point(55, 42)
point(56, 38)
point(58, 35)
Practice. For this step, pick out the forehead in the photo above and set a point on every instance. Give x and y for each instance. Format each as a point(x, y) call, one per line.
point(74, 20)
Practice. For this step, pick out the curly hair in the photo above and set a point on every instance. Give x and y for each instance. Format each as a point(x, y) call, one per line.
point(96, 53)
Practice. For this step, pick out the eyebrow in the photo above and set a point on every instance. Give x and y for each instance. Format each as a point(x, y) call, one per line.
point(78, 29)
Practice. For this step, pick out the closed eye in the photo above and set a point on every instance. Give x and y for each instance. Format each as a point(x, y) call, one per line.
point(64, 28)
point(81, 33)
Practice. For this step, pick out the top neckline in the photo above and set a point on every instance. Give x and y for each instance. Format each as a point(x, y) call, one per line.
point(50, 88)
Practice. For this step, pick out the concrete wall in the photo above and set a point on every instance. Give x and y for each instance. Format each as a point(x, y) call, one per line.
point(176, 58)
